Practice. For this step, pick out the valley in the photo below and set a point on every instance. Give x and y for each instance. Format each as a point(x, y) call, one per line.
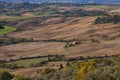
point(55, 35)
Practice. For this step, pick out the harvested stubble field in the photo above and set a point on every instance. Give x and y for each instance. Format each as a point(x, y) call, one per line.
point(62, 28)
point(39, 32)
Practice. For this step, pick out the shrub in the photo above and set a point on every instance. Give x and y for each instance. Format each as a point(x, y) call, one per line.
point(47, 70)
point(1, 41)
point(41, 63)
point(5, 76)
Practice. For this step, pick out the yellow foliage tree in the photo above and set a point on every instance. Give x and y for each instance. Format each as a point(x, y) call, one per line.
point(85, 69)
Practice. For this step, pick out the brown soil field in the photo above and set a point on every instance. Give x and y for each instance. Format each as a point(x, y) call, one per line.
point(65, 28)
point(31, 72)
point(41, 49)
point(60, 28)
point(30, 49)
point(105, 48)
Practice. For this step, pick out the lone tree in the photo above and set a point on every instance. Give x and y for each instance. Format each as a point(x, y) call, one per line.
point(67, 64)
point(1, 27)
point(49, 58)
point(60, 67)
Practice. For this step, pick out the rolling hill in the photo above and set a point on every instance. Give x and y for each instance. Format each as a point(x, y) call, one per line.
point(69, 1)
point(52, 37)
point(81, 28)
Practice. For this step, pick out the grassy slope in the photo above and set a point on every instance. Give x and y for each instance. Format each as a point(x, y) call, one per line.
point(28, 62)
point(7, 29)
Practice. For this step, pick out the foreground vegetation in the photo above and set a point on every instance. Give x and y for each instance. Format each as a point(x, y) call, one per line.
point(95, 69)
point(107, 68)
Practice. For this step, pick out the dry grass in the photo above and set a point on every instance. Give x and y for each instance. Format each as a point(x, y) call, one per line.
point(29, 72)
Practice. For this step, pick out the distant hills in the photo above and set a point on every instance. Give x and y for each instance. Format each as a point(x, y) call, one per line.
point(69, 1)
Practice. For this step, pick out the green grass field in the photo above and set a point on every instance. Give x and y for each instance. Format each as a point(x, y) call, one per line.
point(28, 62)
point(7, 29)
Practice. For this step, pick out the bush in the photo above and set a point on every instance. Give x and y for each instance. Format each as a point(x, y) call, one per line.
point(5, 76)
point(1, 41)
point(47, 70)
point(41, 63)
point(1, 27)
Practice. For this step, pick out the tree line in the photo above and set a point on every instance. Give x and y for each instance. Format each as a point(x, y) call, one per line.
point(81, 12)
point(108, 19)
point(7, 40)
